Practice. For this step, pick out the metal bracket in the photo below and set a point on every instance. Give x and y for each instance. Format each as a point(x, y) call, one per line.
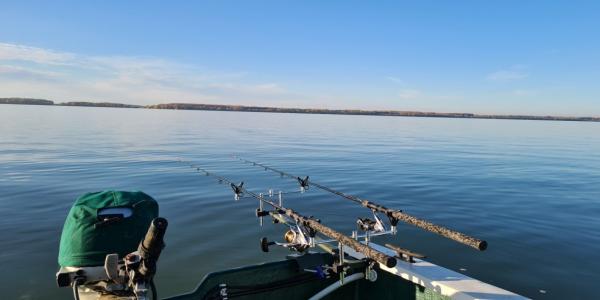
point(405, 254)
point(303, 183)
point(238, 190)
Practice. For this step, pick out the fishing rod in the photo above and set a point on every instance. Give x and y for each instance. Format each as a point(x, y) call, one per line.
point(306, 228)
point(393, 214)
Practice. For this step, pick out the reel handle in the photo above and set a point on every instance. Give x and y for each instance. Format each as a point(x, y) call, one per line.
point(264, 244)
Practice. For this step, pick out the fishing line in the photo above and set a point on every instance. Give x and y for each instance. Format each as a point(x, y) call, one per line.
point(322, 187)
point(311, 225)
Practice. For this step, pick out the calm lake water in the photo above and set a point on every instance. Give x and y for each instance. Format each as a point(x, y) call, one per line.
point(530, 188)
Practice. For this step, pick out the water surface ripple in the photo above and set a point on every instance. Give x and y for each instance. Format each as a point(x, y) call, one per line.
point(530, 188)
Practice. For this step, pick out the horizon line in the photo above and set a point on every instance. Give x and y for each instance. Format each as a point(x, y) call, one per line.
point(272, 109)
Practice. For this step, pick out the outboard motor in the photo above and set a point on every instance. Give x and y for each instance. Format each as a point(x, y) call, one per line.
point(109, 246)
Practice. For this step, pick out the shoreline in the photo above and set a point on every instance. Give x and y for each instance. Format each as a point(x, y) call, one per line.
point(242, 108)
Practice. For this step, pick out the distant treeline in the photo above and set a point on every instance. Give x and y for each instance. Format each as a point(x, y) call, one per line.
point(218, 107)
point(100, 104)
point(26, 101)
point(31, 101)
point(189, 106)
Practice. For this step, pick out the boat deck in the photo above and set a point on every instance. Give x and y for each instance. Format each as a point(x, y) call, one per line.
point(290, 280)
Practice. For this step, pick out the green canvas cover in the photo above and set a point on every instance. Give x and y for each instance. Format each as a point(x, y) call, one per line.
point(85, 240)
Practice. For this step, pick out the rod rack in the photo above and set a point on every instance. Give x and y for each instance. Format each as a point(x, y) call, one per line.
point(394, 214)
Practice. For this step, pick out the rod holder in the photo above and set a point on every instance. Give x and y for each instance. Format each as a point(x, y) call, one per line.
point(394, 215)
point(367, 251)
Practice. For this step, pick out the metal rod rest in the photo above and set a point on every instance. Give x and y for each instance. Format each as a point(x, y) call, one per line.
point(313, 224)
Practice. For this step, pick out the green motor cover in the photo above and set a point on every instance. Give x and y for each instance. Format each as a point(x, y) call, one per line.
point(86, 239)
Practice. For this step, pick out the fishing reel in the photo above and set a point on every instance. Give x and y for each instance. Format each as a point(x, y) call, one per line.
point(371, 227)
point(368, 225)
point(298, 238)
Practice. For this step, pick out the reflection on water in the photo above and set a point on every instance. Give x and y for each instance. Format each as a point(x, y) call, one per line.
point(530, 188)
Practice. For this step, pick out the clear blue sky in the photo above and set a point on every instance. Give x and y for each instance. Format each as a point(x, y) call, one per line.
point(534, 57)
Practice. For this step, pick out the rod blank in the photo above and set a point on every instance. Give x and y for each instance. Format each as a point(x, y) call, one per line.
point(426, 225)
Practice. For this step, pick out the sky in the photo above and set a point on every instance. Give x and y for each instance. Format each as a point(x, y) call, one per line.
point(500, 57)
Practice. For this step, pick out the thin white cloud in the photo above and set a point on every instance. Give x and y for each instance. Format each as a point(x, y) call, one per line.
point(35, 72)
point(26, 73)
point(524, 92)
point(405, 93)
point(32, 54)
point(395, 79)
point(516, 72)
point(409, 94)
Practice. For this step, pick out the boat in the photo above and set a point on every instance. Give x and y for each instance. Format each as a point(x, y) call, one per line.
point(112, 240)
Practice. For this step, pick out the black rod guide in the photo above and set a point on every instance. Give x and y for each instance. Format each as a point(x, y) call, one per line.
point(392, 213)
point(311, 223)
